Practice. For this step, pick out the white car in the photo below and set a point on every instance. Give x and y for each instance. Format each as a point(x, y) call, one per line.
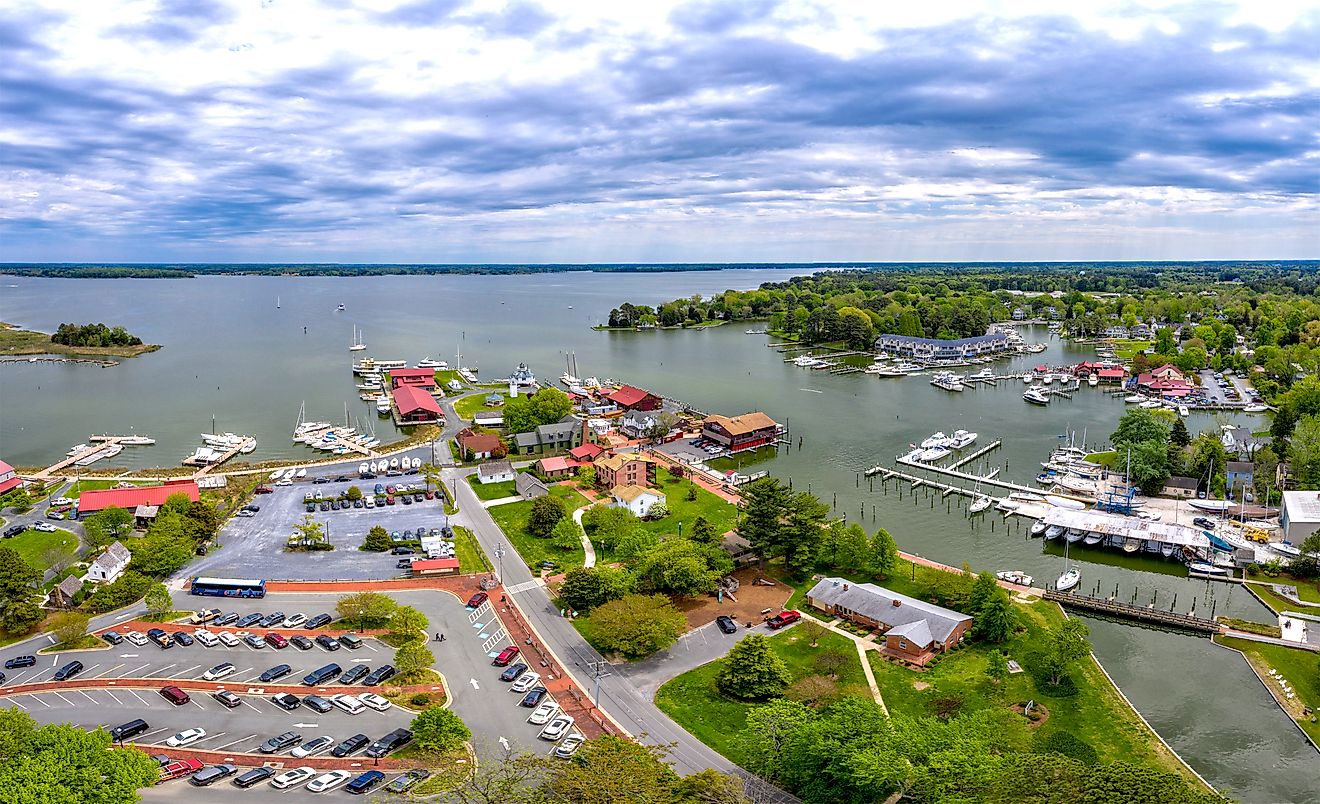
point(230, 639)
point(294, 620)
point(44, 527)
point(185, 737)
point(328, 781)
point(284, 482)
point(219, 671)
point(557, 728)
point(58, 501)
point(374, 701)
point(542, 714)
point(312, 747)
point(569, 746)
point(136, 637)
point(525, 682)
point(206, 638)
point(292, 777)
point(348, 703)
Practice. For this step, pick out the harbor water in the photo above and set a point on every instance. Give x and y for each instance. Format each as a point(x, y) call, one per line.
point(229, 352)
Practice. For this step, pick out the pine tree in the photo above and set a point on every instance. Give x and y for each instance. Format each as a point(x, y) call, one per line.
point(752, 671)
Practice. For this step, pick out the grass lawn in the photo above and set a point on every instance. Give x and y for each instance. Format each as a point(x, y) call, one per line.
point(1278, 602)
point(469, 405)
point(1104, 458)
point(443, 378)
point(33, 544)
point(75, 491)
point(1297, 667)
point(694, 703)
point(512, 519)
point(470, 556)
point(1127, 348)
point(491, 491)
point(715, 509)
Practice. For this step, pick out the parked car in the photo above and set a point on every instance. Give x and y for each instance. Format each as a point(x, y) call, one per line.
point(276, 641)
point(183, 638)
point(277, 672)
point(350, 641)
point(227, 699)
point(205, 638)
point(525, 682)
point(68, 671)
point(477, 600)
point(292, 778)
point(248, 620)
point(112, 637)
point(229, 639)
point(389, 743)
point(726, 624)
point(19, 662)
point(286, 701)
point(557, 728)
point(380, 675)
point(129, 730)
point(543, 713)
point(322, 675)
point(406, 782)
point(219, 671)
point(186, 737)
point(273, 619)
point(507, 655)
point(783, 618)
point(348, 703)
point(351, 745)
point(300, 642)
point(374, 701)
point(280, 742)
point(253, 777)
point(533, 697)
point(317, 704)
point(328, 642)
point(312, 747)
point(161, 638)
point(294, 620)
point(211, 775)
point(365, 782)
point(327, 781)
point(44, 527)
point(318, 621)
point(255, 642)
point(179, 768)
point(354, 674)
point(569, 746)
point(228, 618)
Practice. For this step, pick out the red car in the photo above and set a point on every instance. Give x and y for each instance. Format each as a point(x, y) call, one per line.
point(264, 490)
point(507, 655)
point(182, 767)
point(477, 600)
point(783, 618)
point(276, 640)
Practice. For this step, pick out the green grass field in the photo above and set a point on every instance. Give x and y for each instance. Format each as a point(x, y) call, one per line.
point(471, 559)
point(1297, 666)
point(33, 544)
point(512, 519)
point(75, 491)
point(469, 405)
point(719, 512)
point(1305, 590)
point(1127, 348)
point(491, 491)
point(692, 700)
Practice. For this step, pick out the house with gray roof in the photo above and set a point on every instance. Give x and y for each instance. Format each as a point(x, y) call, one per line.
point(560, 436)
point(64, 594)
point(495, 472)
point(529, 486)
point(637, 423)
point(914, 630)
point(110, 565)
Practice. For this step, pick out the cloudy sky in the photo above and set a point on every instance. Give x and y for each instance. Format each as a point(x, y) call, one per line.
point(599, 131)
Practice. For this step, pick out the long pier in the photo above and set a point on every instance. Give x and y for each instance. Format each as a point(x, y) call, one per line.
point(92, 449)
point(963, 461)
point(1130, 611)
point(944, 470)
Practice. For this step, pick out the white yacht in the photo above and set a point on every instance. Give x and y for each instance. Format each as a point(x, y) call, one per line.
point(77, 448)
point(947, 380)
point(1036, 396)
point(938, 439)
point(1093, 380)
point(934, 454)
point(137, 441)
point(1133, 399)
point(1183, 411)
point(435, 364)
point(1150, 404)
point(1255, 407)
point(383, 405)
point(1015, 576)
point(961, 439)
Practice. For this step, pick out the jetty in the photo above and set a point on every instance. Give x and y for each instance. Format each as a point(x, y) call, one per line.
point(966, 476)
point(1130, 611)
point(100, 444)
point(224, 456)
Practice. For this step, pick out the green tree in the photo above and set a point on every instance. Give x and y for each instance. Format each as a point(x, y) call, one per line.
point(613, 769)
point(609, 526)
point(985, 587)
point(637, 625)
point(20, 616)
point(1149, 466)
point(585, 588)
point(802, 532)
point(407, 623)
point(107, 525)
point(997, 619)
point(69, 626)
point(1138, 426)
point(852, 549)
point(432, 474)
point(439, 730)
point(353, 493)
point(752, 671)
point(771, 729)
point(63, 763)
point(765, 502)
point(545, 514)
point(551, 405)
point(366, 608)
point(411, 658)
point(1164, 343)
point(1179, 435)
point(566, 534)
point(884, 553)
point(703, 532)
point(586, 477)
point(309, 531)
point(17, 577)
point(1304, 452)
point(676, 566)
point(378, 540)
point(158, 554)
point(1065, 645)
point(158, 600)
point(997, 668)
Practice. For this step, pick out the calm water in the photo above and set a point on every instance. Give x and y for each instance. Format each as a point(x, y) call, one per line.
point(230, 353)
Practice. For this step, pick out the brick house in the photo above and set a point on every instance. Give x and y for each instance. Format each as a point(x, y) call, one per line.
point(914, 630)
point(625, 469)
point(477, 445)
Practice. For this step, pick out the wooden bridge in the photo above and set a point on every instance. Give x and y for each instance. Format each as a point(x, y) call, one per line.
point(1129, 611)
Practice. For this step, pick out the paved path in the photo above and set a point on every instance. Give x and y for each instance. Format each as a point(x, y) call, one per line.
point(863, 644)
point(588, 549)
point(501, 501)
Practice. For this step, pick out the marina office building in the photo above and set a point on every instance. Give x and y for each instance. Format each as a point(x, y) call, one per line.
point(1300, 516)
point(935, 349)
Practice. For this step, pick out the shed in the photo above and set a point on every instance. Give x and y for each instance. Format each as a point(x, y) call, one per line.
point(64, 594)
point(495, 472)
point(530, 487)
point(1184, 487)
point(434, 566)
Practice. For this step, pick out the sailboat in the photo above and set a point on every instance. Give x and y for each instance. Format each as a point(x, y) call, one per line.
point(277, 302)
point(1071, 575)
point(358, 345)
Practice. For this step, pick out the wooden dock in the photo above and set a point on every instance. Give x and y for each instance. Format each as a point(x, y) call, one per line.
point(966, 459)
point(229, 453)
point(100, 444)
point(989, 479)
point(1129, 611)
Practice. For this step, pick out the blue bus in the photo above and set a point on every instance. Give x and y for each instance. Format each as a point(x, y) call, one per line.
point(227, 587)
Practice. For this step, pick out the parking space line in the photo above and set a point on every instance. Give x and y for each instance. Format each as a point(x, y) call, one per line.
point(61, 697)
point(193, 700)
point(182, 673)
point(250, 706)
point(93, 667)
point(212, 736)
point(140, 698)
point(161, 671)
point(154, 731)
point(107, 671)
point(19, 677)
point(235, 742)
point(38, 700)
point(88, 697)
point(127, 673)
point(112, 695)
point(369, 647)
point(19, 705)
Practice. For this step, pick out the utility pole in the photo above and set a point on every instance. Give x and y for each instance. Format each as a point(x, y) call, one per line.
point(499, 557)
point(597, 673)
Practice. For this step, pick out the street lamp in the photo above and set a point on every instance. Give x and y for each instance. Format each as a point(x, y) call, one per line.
point(499, 557)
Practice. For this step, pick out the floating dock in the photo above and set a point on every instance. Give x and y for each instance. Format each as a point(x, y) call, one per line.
point(224, 456)
point(1129, 611)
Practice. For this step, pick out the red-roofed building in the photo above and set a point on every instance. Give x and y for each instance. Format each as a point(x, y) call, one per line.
point(586, 453)
point(557, 467)
point(415, 405)
point(630, 398)
point(89, 502)
point(434, 566)
point(9, 480)
point(477, 445)
point(418, 377)
point(1112, 374)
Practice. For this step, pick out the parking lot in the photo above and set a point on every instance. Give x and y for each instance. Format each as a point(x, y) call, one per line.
point(254, 547)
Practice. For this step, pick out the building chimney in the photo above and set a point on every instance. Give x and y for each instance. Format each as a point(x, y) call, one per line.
point(897, 603)
point(845, 587)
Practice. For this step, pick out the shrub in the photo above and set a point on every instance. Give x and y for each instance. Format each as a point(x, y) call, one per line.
point(1038, 668)
point(420, 699)
point(1066, 743)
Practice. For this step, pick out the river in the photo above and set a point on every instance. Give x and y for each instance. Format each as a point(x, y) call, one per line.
point(231, 353)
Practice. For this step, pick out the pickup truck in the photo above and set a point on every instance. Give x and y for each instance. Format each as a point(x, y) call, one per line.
point(181, 767)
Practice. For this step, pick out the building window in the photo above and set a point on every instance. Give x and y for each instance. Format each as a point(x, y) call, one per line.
point(902, 643)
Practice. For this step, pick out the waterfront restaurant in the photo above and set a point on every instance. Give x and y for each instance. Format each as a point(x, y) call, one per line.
point(748, 431)
point(93, 500)
point(415, 377)
point(936, 349)
point(416, 406)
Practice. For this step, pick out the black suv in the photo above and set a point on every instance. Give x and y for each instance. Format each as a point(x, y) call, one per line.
point(248, 620)
point(286, 701)
point(282, 742)
point(350, 746)
point(19, 662)
point(389, 743)
point(328, 642)
point(318, 621)
point(380, 675)
point(726, 624)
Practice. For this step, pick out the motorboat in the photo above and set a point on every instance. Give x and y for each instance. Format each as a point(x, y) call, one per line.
point(1053, 531)
point(1036, 396)
point(1026, 496)
point(1068, 580)
point(1283, 548)
point(1064, 502)
point(111, 451)
point(1131, 545)
point(1167, 548)
point(1076, 485)
point(1205, 568)
point(961, 439)
point(938, 439)
point(1048, 379)
point(1151, 404)
point(301, 473)
point(934, 454)
point(1093, 380)
point(275, 475)
point(1015, 576)
point(363, 468)
point(77, 448)
point(1073, 535)
point(1038, 528)
point(1092, 539)
point(947, 380)
point(137, 441)
point(383, 405)
point(978, 505)
point(429, 363)
point(890, 371)
point(1255, 407)
point(983, 374)
point(1133, 399)
point(1046, 478)
point(1183, 411)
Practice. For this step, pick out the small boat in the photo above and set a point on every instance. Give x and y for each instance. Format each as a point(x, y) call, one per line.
point(1093, 380)
point(1167, 548)
point(1073, 535)
point(275, 475)
point(1046, 478)
point(1038, 529)
point(1205, 568)
point(1134, 399)
point(1064, 502)
point(1284, 548)
point(339, 309)
point(77, 448)
point(978, 505)
point(1015, 576)
point(1026, 496)
point(962, 439)
point(934, 454)
point(1183, 411)
point(1131, 545)
point(1076, 485)
point(1216, 506)
point(1255, 407)
point(1151, 404)
point(383, 405)
point(1092, 539)
point(938, 439)
point(301, 474)
point(394, 463)
point(363, 468)
point(1068, 580)
point(1036, 396)
point(1053, 532)
point(429, 363)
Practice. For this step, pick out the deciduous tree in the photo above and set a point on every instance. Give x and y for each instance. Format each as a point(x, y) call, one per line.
point(412, 658)
point(585, 588)
point(637, 625)
point(366, 608)
point(566, 535)
point(62, 763)
point(408, 623)
point(69, 626)
point(884, 553)
point(158, 600)
point(439, 730)
point(676, 566)
point(545, 514)
point(1064, 645)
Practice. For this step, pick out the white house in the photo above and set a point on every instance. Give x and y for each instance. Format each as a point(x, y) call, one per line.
point(637, 499)
point(110, 564)
point(495, 472)
point(637, 423)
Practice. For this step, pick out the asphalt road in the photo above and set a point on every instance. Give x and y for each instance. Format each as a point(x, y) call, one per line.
point(253, 547)
point(695, 648)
